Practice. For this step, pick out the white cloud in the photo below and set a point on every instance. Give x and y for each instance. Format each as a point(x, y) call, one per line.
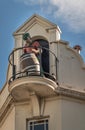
point(70, 12)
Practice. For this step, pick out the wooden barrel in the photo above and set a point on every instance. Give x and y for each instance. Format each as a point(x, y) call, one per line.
point(30, 64)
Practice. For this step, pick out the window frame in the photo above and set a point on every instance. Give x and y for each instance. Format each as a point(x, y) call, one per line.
point(33, 121)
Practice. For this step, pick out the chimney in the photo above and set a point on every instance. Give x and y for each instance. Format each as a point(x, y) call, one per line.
point(77, 48)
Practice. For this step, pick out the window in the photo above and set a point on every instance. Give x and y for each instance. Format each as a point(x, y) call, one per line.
point(37, 124)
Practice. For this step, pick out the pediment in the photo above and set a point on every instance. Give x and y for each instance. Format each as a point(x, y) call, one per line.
point(36, 20)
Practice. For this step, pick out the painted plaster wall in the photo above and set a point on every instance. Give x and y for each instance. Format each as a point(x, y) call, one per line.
point(23, 112)
point(52, 110)
point(9, 122)
point(71, 68)
point(73, 115)
point(63, 114)
point(3, 95)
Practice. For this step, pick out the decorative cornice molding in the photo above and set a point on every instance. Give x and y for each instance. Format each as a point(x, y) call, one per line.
point(33, 19)
point(6, 106)
point(70, 93)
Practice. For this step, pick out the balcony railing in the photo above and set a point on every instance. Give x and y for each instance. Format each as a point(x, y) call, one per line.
point(26, 64)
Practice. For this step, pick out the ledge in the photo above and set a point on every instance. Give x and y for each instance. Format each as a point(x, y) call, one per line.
point(42, 86)
point(5, 108)
point(70, 93)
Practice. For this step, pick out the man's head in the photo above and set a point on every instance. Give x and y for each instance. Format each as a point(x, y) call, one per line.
point(27, 37)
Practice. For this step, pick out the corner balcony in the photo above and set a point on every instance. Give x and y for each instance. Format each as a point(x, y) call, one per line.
point(30, 75)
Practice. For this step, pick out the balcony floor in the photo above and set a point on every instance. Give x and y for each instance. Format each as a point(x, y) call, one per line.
point(22, 88)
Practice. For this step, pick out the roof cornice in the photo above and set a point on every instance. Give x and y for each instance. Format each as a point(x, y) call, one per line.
point(70, 93)
point(32, 20)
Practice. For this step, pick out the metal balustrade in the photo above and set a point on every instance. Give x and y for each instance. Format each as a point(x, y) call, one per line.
point(20, 67)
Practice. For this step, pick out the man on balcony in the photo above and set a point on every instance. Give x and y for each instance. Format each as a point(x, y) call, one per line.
point(32, 47)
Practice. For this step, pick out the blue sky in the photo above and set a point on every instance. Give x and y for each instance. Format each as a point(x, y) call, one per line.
point(68, 15)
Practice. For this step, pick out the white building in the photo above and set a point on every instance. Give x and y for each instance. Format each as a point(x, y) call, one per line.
point(55, 101)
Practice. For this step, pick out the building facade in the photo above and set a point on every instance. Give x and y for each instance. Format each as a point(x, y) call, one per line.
point(52, 99)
